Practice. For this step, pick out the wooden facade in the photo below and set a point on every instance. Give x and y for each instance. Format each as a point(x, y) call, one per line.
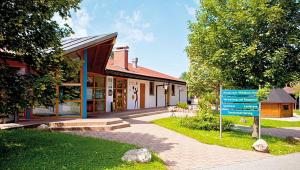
point(279, 104)
point(277, 110)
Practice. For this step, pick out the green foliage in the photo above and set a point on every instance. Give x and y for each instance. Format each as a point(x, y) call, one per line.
point(205, 122)
point(182, 105)
point(32, 149)
point(183, 76)
point(263, 93)
point(28, 34)
point(230, 139)
point(296, 88)
point(244, 44)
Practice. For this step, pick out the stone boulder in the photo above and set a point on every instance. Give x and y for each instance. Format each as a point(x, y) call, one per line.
point(43, 127)
point(261, 146)
point(137, 155)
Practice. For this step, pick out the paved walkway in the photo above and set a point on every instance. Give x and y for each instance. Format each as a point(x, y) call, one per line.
point(291, 119)
point(285, 162)
point(176, 150)
point(278, 132)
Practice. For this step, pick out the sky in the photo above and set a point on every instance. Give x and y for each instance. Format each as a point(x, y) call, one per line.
point(155, 30)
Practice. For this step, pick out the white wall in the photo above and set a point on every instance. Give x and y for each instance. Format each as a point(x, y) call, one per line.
point(150, 100)
point(183, 94)
point(133, 85)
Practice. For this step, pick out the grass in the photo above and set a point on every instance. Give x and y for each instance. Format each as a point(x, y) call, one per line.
point(231, 139)
point(265, 122)
point(32, 149)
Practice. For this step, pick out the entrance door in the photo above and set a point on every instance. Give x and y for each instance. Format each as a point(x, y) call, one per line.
point(120, 94)
point(96, 99)
point(142, 95)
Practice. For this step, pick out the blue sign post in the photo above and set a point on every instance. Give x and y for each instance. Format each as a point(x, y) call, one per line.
point(239, 103)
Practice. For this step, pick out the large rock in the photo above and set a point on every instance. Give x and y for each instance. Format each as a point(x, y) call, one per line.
point(261, 146)
point(137, 155)
point(43, 127)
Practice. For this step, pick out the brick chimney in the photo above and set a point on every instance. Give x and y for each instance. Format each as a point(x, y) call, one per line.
point(121, 57)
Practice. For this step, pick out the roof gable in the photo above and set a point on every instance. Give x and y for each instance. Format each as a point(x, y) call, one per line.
point(73, 44)
point(279, 96)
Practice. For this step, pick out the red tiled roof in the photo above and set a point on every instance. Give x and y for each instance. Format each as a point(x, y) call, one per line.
point(140, 71)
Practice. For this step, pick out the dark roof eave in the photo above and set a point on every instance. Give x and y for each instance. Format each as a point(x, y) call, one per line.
point(142, 77)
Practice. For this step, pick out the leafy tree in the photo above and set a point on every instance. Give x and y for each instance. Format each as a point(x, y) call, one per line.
point(28, 34)
point(250, 42)
point(204, 80)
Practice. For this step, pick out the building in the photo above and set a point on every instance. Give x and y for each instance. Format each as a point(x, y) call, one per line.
point(108, 85)
point(278, 104)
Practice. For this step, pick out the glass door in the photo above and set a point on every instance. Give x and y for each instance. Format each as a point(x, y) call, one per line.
point(96, 93)
point(120, 94)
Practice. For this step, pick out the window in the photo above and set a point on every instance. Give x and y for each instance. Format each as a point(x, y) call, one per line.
point(173, 90)
point(285, 107)
point(151, 89)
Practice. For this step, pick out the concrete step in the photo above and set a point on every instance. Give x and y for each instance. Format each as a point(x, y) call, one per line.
point(86, 122)
point(91, 127)
point(130, 116)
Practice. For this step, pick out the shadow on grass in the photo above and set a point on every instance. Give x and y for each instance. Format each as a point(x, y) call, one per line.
point(32, 149)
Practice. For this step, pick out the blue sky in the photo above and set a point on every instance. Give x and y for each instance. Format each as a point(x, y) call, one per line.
point(155, 30)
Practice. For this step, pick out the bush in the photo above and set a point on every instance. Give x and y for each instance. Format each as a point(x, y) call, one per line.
point(205, 122)
point(182, 105)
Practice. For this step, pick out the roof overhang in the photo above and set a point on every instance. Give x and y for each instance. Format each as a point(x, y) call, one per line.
point(80, 44)
point(142, 77)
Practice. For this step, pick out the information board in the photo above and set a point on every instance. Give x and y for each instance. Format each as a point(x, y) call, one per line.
point(239, 103)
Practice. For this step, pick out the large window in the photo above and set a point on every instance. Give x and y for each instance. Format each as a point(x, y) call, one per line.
point(96, 93)
point(69, 100)
point(173, 90)
point(151, 89)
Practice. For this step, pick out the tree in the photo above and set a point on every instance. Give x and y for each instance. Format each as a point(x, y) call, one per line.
point(250, 42)
point(28, 34)
point(296, 90)
point(204, 80)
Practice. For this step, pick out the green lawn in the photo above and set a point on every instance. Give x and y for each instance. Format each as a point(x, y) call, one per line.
point(265, 122)
point(231, 139)
point(32, 149)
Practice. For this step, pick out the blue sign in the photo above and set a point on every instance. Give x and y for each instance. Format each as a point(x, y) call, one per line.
point(239, 103)
point(243, 106)
point(240, 112)
point(234, 99)
point(239, 92)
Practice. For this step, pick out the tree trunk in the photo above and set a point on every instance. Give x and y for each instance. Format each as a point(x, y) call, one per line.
point(255, 127)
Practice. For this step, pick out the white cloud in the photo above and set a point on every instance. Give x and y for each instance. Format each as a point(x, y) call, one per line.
point(79, 22)
point(191, 10)
point(132, 28)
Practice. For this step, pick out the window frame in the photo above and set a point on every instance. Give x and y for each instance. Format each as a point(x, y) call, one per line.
point(173, 89)
point(151, 86)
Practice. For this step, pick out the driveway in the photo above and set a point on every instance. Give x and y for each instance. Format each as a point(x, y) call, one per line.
point(176, 150)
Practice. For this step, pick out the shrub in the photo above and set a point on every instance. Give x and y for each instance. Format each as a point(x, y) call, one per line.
point(205, 122)
point(182, 105)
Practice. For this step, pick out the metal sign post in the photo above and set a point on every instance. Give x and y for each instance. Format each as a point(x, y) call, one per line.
point(259, 126)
